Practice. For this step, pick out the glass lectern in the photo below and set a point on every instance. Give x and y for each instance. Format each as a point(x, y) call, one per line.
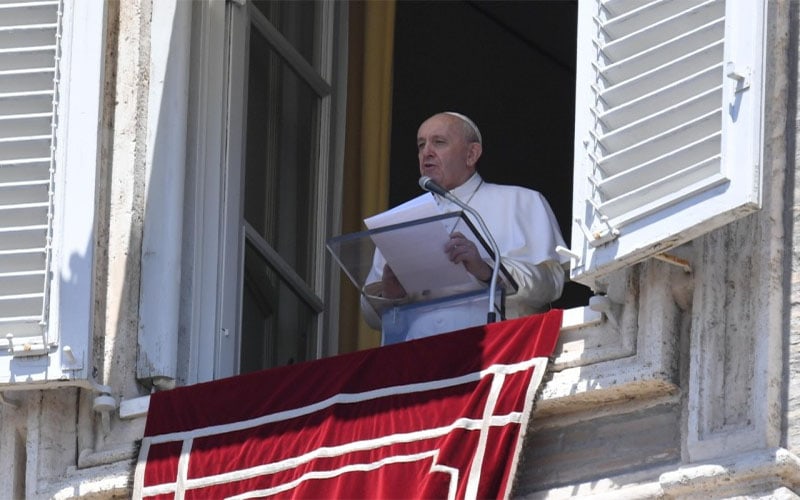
point(441, 296)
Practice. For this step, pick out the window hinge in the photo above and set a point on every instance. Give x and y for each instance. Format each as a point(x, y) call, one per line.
point(603, 305)
point(741, 75)
point(70, 362)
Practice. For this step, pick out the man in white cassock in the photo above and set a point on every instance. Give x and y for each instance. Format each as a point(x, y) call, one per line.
point(520, 219)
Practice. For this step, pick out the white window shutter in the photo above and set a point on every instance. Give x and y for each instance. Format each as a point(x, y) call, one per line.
point(27, 97)
point(47, 187)
point(668, 125)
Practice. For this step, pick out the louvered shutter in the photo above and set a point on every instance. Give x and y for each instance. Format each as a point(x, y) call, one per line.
point(668, 125)
point(51, 56)
point(27, 95)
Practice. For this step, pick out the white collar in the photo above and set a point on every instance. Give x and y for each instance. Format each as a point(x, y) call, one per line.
point(467, 189)
point(464, 192)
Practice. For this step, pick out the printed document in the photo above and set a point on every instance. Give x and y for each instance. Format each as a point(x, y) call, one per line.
point(416, 253)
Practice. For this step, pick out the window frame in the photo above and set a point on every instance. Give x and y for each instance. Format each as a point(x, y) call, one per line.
point(214, 242)
point(597, 248)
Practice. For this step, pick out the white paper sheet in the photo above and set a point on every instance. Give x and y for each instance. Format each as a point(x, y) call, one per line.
point(416, 253)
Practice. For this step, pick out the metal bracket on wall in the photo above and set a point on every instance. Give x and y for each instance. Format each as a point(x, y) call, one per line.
point(675, 261)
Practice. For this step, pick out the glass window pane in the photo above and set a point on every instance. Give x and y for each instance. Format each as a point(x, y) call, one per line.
point(281, 161)
point(296, 20)
point(277, 325)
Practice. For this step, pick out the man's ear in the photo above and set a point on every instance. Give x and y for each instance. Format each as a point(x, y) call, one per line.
point(474, 151)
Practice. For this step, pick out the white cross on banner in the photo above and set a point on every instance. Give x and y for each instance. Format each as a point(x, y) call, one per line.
point(439, 417)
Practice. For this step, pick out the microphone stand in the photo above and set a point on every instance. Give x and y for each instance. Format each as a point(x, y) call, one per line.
point(428, 184)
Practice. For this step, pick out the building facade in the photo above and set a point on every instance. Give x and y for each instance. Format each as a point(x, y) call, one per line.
point(153, 236)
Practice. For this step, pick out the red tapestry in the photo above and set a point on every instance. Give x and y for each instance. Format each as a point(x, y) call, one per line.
point(440, 417)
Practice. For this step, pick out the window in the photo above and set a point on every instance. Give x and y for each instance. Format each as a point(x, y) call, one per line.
point(668, 126)
point(278, 192)
point(50, 81)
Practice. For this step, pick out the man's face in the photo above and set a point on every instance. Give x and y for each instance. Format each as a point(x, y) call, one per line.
point(444, 154)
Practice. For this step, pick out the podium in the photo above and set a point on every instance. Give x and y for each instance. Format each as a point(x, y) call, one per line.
point(441, 296)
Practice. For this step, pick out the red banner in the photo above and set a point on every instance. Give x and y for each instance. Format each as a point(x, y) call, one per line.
point(440, 417)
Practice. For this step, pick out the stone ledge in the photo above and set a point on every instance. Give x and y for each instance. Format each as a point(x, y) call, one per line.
point(102, 482)
point(770, 473)
point(626, 398)
point(761, 470)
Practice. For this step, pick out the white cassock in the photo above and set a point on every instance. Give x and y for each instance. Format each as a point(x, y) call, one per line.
point(526, 232)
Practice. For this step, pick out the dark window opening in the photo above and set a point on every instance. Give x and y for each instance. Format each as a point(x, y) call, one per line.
point(508, 65)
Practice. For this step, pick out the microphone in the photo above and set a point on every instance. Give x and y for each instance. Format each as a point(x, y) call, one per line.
point(431, 185)
point(428, 184)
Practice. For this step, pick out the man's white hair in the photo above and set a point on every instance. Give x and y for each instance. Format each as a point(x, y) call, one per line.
point(468, 122)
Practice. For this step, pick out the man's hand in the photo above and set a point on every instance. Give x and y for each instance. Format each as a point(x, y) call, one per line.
point(463, 251)
point(392, 289)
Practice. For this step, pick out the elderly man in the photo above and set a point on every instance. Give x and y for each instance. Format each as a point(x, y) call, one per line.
point(448, 146)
